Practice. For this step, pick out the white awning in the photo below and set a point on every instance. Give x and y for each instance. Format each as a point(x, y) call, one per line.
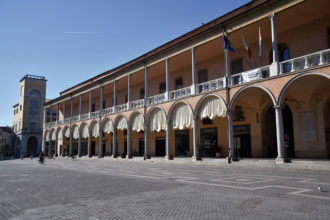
point(122, 124)
point(157, 121)
point(182, 117)
point(108, 127)
point(53, 136)
point(59, 135)
point(137, 123)
point(47, 136)
point(67, 133)
point(95, 130)
point(85, 133)
point(75, 133)
point(212, 107)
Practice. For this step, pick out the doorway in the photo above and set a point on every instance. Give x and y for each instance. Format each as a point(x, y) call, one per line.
point(141, 147)
point(93, 148)
point(160, 146)
point(182, 143)
point(242, 141)
point(288, 130)
point(209, 142)
point(32, 146)
point(268, 126)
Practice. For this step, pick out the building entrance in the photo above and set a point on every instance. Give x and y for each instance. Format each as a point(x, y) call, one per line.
point(32, 146)
point(242, 140)
point(209, 142)
point(160, 146)
point(141, 147)
point(182, 143)
point(269, 133)
point(93, 148)
point(288, 131)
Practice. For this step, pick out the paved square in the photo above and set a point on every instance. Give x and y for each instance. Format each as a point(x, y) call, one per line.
point(117, 189)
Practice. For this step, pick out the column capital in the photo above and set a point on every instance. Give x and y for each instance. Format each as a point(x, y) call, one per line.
point(277, 106)
point(272, 16)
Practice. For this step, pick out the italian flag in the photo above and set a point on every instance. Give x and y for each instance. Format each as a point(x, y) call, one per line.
point(247, 48)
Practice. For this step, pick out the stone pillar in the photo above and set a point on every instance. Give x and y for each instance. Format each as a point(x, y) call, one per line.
point(114, 95)
point(43, 146)
point(63, 110)
point(114, 143)
point(129, 145)
point(90, 101)
point(101, 98)
point(70, 146)
point(128, 91)
point(168, 155)
point(146, 141)
point(79, 146)
point(71, 112)
point(44, 117)
point(145, 85)
point(100, 142)
point(279, 134)
point(63, 143)
point(89, 144)
point(80, 106)
point(196, 155)
point(274, 67)
point(193, 70)
point(230, 136)
point(57, 112)
point(167, 64)
point(56, 144)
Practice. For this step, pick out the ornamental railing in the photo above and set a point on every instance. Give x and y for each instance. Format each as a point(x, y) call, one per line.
point(121, 108)
point(137, 104)
point(180, 93)
point(156, 99)
point(210, 86)
point(108, 111)
point(94, 114)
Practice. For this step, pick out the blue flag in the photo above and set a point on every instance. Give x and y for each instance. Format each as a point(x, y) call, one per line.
point(227, 44)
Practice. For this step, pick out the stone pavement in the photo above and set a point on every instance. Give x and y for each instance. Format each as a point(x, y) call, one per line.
point(119, 189)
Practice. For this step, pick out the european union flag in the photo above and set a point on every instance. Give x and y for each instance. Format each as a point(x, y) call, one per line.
point(227, 44)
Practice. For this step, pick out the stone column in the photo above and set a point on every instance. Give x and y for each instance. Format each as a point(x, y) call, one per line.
point(146, 141)
point(279, 134)
point(167, 64)
point(44, 117)
point(101, 98)
point(80, 106)
point(114, 143)
point(193, 70)
point(70, 146)
point(145, 85)
point(128, 91)
point(89, 144)
point(71, 112)
point(90, 101)
point(230, 136)
point(100, 142)
point(56, 144)
point(57, 112)
point(79, 146)
point(274, 67)
point(129, 145)
point(63, 110)
point(168, 155)
point(196, 155)
point(63, 143)
point(43, 146)
point(114, 95)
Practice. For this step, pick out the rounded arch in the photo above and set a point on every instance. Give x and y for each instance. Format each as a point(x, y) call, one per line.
point(46, 133)
point(154, 108)
point(118, 118)
point(52, 134)
point(92, 132)
point(32, 146)
point(66, 130)
point(175, 105)
point(136, 121)
point(75, 131)
point(107, 125)
point(132, 115)
point(291, 81)
point(203, 99)
point(84, 127)
point(248, 87)
point(36, 92)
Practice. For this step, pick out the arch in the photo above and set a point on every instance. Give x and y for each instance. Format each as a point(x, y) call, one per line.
point(75, 132)
point(187, 121)
point(107, 125)
point(36, 92)
point(59, 133)
point(32, 145)
point(136, 121)
point(66, 132)
point(121, 122)
point(84, 130)
point(155, 115)
point(204, 99)
point(287, 85)
point(248, 87)
point(52, 135)
point(94, 128)
point(47, 135)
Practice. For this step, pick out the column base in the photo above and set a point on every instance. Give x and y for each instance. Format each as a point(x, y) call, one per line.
point(169, 157)
point(114, 156)
point(196, 158)
point(279, 160)
point(129, 156)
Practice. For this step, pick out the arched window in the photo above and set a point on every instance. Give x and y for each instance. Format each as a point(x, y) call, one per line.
point(35, 92)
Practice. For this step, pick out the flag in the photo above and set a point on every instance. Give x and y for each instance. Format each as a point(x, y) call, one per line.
point(260, 46)
point(246, 45)
point(227, 44)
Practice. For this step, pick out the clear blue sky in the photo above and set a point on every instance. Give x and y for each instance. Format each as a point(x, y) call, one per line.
point(69, 41)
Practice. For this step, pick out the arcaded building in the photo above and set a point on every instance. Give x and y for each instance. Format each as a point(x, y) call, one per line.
point(254, 82)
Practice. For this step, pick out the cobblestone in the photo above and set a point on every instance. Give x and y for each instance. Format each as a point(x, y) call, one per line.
point(103, 189)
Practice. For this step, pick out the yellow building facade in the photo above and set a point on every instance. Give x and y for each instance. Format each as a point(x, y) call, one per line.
point(194, 97)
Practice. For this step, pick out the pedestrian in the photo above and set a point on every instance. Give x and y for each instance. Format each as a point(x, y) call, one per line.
point(41, 157)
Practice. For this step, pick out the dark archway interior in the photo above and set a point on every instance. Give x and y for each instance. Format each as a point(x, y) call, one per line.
point(32, 146)
point(269, 142)
point(288, 131)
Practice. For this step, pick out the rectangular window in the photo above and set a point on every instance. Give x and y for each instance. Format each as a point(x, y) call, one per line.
point(236, 66)
point(178, 83)
point(162, 87)
point(20, 107)
point(126, 98)
point(142, 93)
point(103, 104)
point(202, 76)
point(93, 107)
